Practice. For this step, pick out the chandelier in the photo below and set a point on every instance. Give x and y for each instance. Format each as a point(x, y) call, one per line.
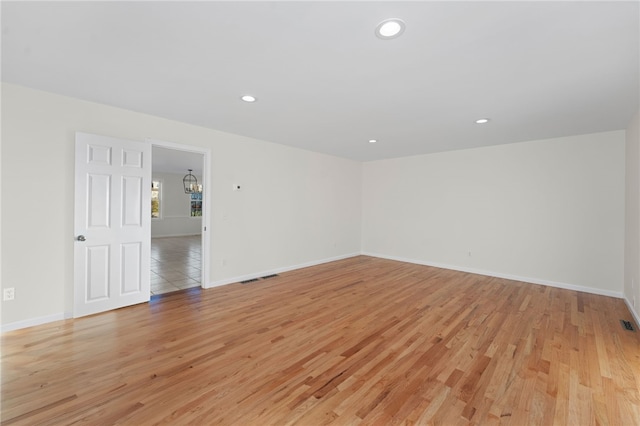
point(191, 183)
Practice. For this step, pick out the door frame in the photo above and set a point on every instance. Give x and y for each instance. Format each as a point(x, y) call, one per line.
point(205, 240)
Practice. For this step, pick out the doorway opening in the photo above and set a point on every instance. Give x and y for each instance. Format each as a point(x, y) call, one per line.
point(178, 218)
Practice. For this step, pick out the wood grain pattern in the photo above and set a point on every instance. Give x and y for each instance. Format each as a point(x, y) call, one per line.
point(358, 341)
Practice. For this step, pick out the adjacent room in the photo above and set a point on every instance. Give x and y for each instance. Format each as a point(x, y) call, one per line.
point(176, 220)
point(269, 213)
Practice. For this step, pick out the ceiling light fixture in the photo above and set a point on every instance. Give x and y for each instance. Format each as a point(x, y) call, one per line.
point(190, 183)
point(373, 140)
point(248, 98)
point(390, 28)
point(482, 121)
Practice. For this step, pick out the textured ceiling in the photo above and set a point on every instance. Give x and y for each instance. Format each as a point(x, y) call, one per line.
point(324, 82)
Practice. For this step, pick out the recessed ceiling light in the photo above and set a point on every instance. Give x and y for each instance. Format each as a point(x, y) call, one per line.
point(373, 140)
point(248, 98)
point(390, 28)
point(482, 121)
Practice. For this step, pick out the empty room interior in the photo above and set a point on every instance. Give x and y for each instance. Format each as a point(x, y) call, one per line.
point(270, 213)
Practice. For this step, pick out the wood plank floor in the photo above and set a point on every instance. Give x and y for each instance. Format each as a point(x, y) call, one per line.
point(358, 341)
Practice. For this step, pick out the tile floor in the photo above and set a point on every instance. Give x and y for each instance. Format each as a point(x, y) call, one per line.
point(175, 263)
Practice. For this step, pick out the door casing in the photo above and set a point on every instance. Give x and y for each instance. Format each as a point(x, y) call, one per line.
point(206, 200)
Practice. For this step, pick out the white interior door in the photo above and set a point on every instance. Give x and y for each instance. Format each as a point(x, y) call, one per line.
point(112, 223)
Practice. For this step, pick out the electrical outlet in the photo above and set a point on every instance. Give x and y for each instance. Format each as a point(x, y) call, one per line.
point(9, 293)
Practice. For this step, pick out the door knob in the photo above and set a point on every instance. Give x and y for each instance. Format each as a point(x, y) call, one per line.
point(80, 238)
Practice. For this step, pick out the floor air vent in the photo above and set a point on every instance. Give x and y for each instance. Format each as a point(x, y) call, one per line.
point(627, 325)
point(253, 280)
point(269, 276)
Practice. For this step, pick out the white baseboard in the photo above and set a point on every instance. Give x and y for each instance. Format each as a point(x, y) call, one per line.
point(501, 275)
point(633, 311)
point(61, 316)
point(174, 235)
point(35, 321)
point(237, 279)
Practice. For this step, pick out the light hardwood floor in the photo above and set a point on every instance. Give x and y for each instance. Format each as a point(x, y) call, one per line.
point(358, 341)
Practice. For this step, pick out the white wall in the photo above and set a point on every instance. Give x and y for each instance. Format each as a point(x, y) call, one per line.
point(175, 208)
point(296, 207)
point(632, 216)
point(293, 206)
point(548, 211)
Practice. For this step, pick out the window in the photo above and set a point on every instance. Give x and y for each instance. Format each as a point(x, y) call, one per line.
point(155, 199)
point(196, 204)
